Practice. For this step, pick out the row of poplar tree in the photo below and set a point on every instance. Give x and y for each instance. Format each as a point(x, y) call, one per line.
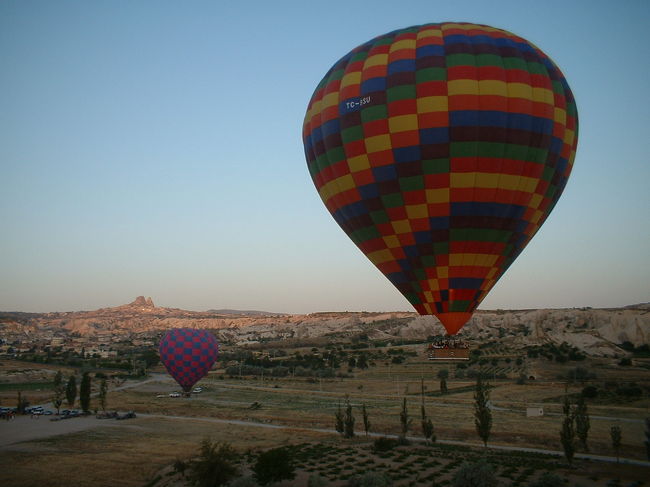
point(67, 390)
point(573, 434)
point(345, 420)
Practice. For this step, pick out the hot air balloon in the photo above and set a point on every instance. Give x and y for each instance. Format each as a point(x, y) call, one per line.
point(188, 355)
point(440, 150)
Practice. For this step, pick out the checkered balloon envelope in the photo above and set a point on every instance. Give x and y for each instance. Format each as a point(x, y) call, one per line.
point(440, 150)
point(188, 355)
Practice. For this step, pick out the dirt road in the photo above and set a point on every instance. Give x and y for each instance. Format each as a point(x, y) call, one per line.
point(25, 428)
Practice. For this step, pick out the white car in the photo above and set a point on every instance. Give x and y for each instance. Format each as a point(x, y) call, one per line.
point(198, 390)
point(175, 394)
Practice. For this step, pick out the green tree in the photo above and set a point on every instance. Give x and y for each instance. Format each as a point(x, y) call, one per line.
point(84, 392)
point(338, 420)
point(427, 427)
point(581, 415)
point(215, 466)
point(71, 390)
point(647, 437)
point(362, 361)
point(348, 422)
point(274, 466)
point(615, 433)
point(567, 438)
point(482, 413)
point(474, 474)
point(405, 421)
point(568, 432)
point(443, 375)
point(366, 419)
point(58, 392)
point(103, 393)
point(22, 404)
point(150, 357)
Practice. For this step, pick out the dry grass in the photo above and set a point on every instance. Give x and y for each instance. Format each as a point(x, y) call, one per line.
point(136, 451)
point(129, 455)
point(302, 403)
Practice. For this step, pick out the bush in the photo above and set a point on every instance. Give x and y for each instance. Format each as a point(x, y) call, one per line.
point(273, 466)
point(474, 474)
point(629, 390)
point(370, 479)
point(580, 374)
point(548, 479)
point(243, 482)
point(216, 465)
point(590, 392)
point(180, 466)
point(384, 443)
point(316, 481)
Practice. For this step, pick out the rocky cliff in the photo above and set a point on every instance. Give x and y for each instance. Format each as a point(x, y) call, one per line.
point(595, 331)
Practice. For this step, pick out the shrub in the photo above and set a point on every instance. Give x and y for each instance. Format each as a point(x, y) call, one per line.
point(384, 443)
point(590, 392)
point(370, 479)
point(474, 474)
point(630, 390)
point(243, 482)
point(273, 466)
point(180, 466)
point(548, 479)
point(216, 465)
point(316, 481)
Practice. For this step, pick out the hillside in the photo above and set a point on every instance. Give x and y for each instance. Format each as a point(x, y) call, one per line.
point(595, 331)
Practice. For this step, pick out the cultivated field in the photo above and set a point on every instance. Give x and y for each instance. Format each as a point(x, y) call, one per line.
point(257, 413)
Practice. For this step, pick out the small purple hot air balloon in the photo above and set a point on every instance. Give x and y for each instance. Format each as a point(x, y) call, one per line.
point(188, 355)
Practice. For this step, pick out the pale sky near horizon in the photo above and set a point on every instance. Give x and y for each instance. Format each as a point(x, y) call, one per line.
point(154, 148)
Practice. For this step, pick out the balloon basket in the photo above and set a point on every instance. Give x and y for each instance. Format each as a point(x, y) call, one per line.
point(448, 348)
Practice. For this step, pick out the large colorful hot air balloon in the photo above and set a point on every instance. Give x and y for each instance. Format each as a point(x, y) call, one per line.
point(440, 150)
point(188, 355)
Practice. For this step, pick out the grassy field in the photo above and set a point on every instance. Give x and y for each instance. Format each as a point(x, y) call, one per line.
point(312, 403)
point(140, 451)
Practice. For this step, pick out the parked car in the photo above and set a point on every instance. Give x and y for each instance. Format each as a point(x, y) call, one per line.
point(198, 390)
point(175, 394)
point(107, 415)
point(128, 415)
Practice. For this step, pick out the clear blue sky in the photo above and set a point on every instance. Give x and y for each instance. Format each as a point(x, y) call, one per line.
point(154, 148)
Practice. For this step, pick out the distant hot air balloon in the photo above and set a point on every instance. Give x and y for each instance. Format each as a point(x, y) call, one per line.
point(188, 355)
point(440, 150)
